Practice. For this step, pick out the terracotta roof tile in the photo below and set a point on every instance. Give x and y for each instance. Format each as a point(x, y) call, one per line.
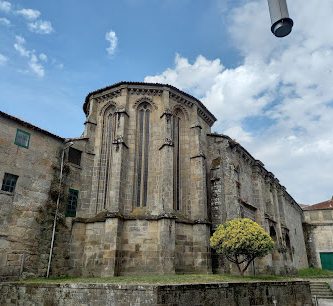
point(322, 205)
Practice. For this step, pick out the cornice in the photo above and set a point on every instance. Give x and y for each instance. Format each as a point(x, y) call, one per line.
point(153, 89)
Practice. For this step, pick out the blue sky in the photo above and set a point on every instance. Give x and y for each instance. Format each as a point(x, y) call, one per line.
point(272, 95)
point(149, 34)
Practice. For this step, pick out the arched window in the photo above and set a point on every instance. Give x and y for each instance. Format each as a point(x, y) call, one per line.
point(143, 132)
point(288, 245)
point(272, 233)
point(177, 131)
point(104, 171)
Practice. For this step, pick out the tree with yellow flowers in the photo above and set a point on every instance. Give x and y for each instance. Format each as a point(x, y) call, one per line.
point(241, 240)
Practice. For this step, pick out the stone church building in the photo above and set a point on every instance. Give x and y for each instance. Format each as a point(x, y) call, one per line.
point(143, 189)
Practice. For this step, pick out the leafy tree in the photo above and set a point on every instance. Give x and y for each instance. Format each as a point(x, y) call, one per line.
point(241, 240)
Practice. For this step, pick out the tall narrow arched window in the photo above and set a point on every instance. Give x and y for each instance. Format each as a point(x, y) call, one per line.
point(104, 169)
point(177, 129)
point(142, 156)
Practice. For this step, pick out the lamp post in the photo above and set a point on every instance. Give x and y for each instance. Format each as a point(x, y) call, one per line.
point(281, 23)
point(69, 144)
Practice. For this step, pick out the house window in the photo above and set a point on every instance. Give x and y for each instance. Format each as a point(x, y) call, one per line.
point(74, 156)
point(9, 182)
point(22, 138)
point(72, 203)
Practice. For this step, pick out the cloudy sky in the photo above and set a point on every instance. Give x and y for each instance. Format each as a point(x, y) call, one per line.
point(274, 96)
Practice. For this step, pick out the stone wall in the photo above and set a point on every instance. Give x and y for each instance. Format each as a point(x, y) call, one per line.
point(318, 230)
point(231, 294)
point(22, 232)
point(240, 186)
point(123, 245)
point(131, 218)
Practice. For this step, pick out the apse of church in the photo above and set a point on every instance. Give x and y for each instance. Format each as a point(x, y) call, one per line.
point(147, 185)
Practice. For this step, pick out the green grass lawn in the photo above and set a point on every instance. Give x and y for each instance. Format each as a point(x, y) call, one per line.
point(156, 279)
point(314, 273)
point(180, 278)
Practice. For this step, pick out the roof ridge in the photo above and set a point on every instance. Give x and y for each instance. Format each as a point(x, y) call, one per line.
point(31, 126)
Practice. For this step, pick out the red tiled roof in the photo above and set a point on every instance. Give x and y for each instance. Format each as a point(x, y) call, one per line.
point(322, 205)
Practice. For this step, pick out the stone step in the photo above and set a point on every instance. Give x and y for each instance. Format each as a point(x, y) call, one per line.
point(322, 293)
point(327, 297)
point(318, 284)
point(321, 290)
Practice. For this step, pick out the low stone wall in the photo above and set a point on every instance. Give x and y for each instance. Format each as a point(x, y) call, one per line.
point(295, 293)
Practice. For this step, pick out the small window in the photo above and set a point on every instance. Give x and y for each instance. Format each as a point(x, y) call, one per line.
point(9, 182)
point(72, 203)
point(22, 138)
point(74, 156)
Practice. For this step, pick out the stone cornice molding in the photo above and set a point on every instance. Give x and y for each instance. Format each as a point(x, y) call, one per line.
point(180, 99)
point(151, 89)
point(208, 119)
point(145, 91)
point(187, 102)
point(108, 95)
point(103, 216)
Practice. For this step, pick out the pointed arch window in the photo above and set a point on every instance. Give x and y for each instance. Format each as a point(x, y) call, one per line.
point(104, 169)
point(177, 165)
point(142, 156)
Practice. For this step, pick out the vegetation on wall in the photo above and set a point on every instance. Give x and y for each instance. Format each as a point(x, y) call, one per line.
point(241, 240)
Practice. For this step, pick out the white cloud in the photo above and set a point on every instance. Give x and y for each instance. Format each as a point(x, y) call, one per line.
point(29, 14)
point(5, 6)
point(19, 46)
point(34, 61)
point(198, 78)
point(4, 21)
point(35, 66)
point(41, 27)
point(3, 59)
point(43, 57)
point(287, 82)
point(112, 38)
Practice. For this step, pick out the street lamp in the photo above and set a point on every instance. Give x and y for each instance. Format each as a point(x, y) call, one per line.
point(281, 23)
point(69, 144)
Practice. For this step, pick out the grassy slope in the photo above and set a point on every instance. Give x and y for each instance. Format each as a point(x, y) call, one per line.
point(182, 279)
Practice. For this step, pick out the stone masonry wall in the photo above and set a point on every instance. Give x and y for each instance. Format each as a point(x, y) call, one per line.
point(231, 294)
point(318, 234)
point(22, 211)
point(238, 182)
